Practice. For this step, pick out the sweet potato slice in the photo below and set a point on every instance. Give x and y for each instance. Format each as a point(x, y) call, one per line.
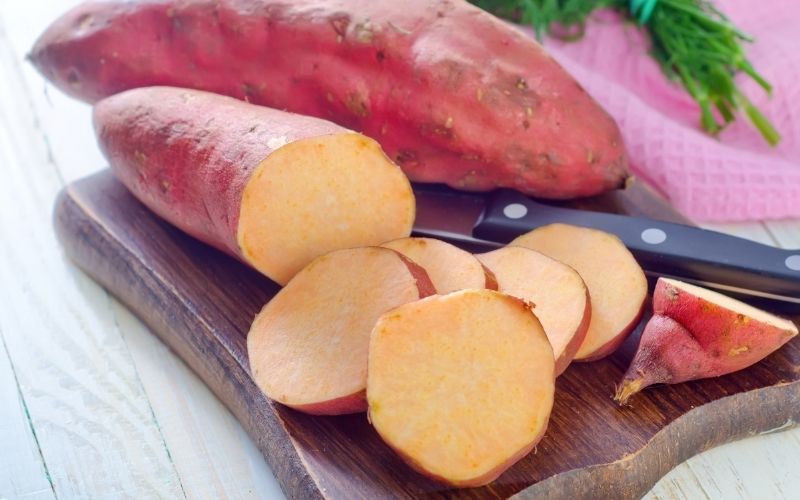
point(273, 189)
point(617, 285)
point(308, 345)
point(449, 267)
point(698, 333)
point(559, 294)
point(461, 385)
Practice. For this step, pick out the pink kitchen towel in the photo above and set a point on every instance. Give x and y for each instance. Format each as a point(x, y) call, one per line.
point(735, 177)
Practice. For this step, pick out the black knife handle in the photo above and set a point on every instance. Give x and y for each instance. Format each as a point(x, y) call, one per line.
point(660, 247)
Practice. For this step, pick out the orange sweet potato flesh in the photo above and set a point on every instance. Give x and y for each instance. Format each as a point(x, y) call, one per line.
point(697, 333)
point(560, 297)
point(617, 285)
point(449, 267)
point(273, 189)
point(460, 385)
point(452, 94)
point(308, 345)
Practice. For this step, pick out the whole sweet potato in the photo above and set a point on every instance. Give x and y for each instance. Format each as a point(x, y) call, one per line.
point(274, 189)
point(451, 93)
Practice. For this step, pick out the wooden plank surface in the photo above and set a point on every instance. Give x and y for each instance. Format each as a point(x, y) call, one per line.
point(215, 460)
point(75, 377)
point(201, 302)
point(204, 451)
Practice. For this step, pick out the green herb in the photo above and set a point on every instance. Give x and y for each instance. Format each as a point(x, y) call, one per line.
point(693, 41)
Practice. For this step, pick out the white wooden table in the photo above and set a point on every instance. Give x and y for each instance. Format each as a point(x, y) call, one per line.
point(92, 405)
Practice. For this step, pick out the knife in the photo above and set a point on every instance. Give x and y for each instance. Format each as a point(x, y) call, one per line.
point(481, 222)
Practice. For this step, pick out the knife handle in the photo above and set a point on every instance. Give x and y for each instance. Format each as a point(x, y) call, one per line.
point(664, 248)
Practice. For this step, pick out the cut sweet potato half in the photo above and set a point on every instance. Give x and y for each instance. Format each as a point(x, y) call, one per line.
point(559, 294)
point(320, 194)
point(449, 267)
point(617, 285)
point(273, 189)
point(308, 346)
point(461, 385)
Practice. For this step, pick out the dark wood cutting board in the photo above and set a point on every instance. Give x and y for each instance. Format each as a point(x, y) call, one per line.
point(201, 303)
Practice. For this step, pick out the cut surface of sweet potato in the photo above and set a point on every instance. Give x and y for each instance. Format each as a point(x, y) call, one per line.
point(449, 267)
point(617, 285)
point(461, 385)
point(559, 294)
point(308, 346)
point(320, 194)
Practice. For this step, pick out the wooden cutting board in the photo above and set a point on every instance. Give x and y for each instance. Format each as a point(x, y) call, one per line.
point(201, 302)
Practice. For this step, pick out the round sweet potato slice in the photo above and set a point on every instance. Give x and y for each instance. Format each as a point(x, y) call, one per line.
point(308, 345)
point(557, 291)
point(461, 385)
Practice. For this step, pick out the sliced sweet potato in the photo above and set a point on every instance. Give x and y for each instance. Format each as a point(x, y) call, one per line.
point(698, 333)
point(271, 188)
point(461, 385)
point(308, 345)
point(449, 267)
point(559, 294)
point(617, 285)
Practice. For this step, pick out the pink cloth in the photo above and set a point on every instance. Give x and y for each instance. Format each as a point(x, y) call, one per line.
point(734, 178)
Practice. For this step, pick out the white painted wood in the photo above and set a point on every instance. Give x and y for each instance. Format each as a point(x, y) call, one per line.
point(786, 232)
point(116, 413)
point(65, 123)
point(22, 472)
point(755, 231)
point(213, 456)
point(91, 417)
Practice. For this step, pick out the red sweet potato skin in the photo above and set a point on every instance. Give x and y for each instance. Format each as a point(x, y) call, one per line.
point(731, 341)
point(668, 353)
point(451, 93)
point(187, 154)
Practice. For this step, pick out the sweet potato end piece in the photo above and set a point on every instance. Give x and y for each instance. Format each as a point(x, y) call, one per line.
point(320, 194)
point(682, 300)
point(668, 353)
point(461, 385)
point(697, 333)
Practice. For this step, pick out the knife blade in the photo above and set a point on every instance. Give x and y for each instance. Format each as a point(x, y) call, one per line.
point(481, 222)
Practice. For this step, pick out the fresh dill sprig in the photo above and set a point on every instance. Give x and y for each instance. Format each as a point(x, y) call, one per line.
point(695, 44)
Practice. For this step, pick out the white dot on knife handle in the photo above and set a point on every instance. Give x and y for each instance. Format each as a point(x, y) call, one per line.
point(654, 236)
point(515, 211)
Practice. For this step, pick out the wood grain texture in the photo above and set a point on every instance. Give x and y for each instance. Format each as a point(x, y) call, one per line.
point(73, 373)
point(201, 303)
point(24, 473)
